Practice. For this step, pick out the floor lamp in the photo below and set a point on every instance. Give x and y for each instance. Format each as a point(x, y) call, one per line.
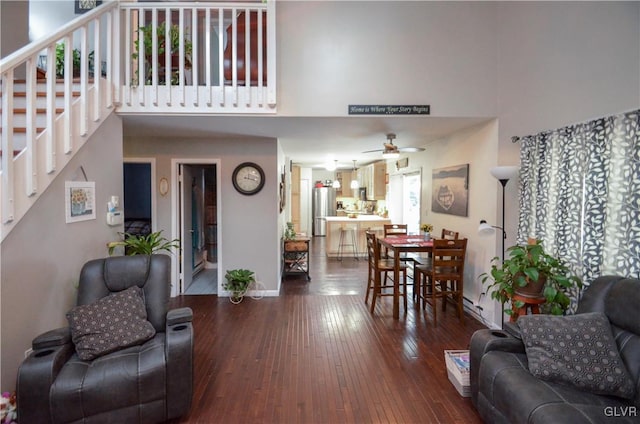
point(502, 174)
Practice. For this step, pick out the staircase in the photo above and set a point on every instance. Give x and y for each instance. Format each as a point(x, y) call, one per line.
point(227, 50)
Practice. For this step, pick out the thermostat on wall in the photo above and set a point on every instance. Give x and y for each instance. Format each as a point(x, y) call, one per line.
point(114, 218)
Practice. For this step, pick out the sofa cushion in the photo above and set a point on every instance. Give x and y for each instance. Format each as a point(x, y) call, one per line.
point(577, 350)
point(116, 321)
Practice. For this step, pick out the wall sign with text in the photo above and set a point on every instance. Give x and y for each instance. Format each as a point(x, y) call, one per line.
point(389, 109)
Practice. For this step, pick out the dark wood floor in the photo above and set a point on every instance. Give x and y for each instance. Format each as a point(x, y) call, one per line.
point(317, 355)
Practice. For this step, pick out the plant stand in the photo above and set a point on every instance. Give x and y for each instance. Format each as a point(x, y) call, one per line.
point(532, 303)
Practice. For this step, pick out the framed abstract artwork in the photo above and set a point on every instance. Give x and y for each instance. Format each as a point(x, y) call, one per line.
point(450, 190)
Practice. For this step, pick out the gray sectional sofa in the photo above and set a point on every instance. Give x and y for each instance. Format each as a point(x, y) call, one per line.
point(581, 368)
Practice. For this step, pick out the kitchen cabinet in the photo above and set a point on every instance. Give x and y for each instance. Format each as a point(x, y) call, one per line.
point(345, 184)
point(379, 181)
point(373, 177)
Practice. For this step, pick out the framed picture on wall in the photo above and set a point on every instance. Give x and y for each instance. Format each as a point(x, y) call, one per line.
point(82, 6)
point(450, 187)
point(80, 200)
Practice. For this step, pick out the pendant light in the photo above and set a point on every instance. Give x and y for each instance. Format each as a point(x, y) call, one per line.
point(336, 182)
point(354, 178)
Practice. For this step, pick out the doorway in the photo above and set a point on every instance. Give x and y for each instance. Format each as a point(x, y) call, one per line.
point(139, 196)
point(196, 225)
point(404, 199)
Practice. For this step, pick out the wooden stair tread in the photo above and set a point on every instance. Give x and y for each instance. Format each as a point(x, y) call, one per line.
point(23, 130)
point(15, 152)
point(22, 110)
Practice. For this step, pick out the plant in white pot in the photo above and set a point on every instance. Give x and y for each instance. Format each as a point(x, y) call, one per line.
point(238, 281)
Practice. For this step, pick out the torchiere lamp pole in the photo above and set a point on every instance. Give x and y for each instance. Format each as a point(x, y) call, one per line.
point(502, 174)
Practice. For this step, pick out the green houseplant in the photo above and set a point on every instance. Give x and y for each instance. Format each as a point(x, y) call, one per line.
point(75, 58)
point(238, 280)
point(144, 245)
point(146, 34)
point(530, 271)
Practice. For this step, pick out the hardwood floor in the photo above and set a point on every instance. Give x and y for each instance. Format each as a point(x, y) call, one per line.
point(317, 355)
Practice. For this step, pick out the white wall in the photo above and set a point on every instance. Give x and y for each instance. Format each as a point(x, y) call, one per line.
point(477, 147)
point(249, 226)
point(42, 256)
point(333, 53)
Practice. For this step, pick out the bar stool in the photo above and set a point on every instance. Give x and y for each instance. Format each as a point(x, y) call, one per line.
point(348, 238)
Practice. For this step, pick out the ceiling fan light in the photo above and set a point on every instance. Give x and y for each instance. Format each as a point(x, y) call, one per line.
point(390, 155)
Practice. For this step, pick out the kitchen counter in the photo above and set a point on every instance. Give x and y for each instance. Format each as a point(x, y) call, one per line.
point(361, 217)
point(362, 223)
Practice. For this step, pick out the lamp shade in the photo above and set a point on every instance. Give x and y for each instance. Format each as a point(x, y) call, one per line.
point(485, 229)
point(505, 172)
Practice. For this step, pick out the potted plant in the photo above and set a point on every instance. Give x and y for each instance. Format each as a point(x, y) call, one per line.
point(146, 33)
point(75, 58)
point(238, 280)
point(144, 245)
point(531, 272)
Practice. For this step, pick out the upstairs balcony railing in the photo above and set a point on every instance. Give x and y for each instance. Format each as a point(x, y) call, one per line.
point(191, 58)
point(199, 57)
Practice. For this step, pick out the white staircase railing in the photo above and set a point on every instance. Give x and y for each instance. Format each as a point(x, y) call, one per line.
point(68, 117)
point(221, 59)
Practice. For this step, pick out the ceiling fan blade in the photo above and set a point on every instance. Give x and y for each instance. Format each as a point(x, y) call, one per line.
point(373, 151)
point(411, 149)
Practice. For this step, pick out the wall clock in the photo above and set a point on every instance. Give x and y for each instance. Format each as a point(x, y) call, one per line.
point(248, 178)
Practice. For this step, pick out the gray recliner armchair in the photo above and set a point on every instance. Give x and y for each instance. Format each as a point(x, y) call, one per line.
point(150, 381)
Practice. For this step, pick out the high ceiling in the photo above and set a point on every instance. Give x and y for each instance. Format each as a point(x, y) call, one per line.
point(307, 141)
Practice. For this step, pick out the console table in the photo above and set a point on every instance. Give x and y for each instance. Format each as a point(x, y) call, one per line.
point(295, 256)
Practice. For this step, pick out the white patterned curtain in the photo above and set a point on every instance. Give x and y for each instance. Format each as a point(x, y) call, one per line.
point(580, 194)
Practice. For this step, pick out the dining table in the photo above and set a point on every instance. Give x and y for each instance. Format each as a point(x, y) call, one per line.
point(399, 244)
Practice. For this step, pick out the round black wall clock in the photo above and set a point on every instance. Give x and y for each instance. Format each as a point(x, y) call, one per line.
point(248, 178)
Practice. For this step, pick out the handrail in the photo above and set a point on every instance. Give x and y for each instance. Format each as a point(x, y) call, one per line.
point(243, 81)
point(74, 107)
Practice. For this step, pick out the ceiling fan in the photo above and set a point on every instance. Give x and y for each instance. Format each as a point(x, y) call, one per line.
point(391, 151)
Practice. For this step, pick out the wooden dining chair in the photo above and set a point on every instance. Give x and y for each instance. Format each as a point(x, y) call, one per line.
point(396, 230)
point(379, 282)
point(443, 277)
point(450, 234)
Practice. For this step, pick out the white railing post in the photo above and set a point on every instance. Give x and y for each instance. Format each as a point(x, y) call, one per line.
point(97, 71)
point(68, 95)
point(84, 82)
point(51, 139)
point(31, 87)
point(7, 147)
point(271, 50)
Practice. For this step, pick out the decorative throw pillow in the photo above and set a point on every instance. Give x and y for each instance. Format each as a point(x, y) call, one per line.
point(111, 323)
point(577, 350)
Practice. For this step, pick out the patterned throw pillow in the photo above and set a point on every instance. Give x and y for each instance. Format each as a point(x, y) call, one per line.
point(111, 323)
point(577, 350)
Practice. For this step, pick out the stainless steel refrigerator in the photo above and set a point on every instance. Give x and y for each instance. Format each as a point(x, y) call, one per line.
point(324, 205)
